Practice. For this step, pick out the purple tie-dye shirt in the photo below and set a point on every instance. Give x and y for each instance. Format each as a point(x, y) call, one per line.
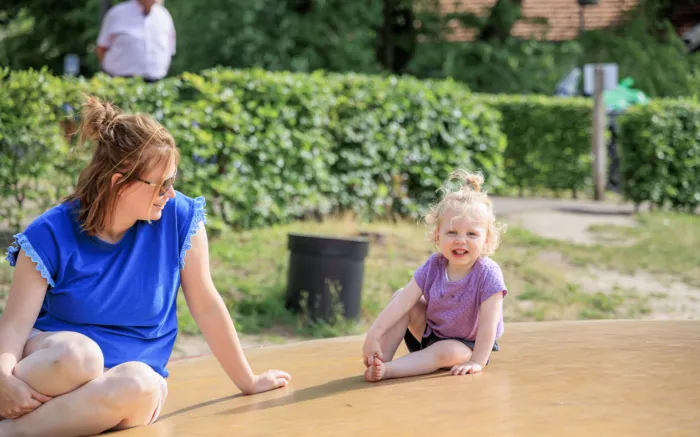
point(453, 307)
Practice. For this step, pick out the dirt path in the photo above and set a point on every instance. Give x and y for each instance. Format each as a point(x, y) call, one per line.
point(566, 220)
point(570, 221)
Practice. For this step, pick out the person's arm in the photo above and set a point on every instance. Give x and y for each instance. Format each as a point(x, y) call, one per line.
point(404, 300)
point(100, 51)
point(23, 305)
point(172, 37)
point(401, 304)
point(489, 314)
point(105, 37)
point(211, 315)
point(26, 296)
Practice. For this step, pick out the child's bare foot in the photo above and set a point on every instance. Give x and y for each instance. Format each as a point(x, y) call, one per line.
point(376, 371)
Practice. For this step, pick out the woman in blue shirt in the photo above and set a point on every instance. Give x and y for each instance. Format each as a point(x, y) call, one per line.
point(91, 320)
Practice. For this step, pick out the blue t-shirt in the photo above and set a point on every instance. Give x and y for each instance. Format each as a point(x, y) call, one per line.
point(124, 295)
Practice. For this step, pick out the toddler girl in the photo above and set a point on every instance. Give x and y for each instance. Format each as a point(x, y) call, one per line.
point(451, 312)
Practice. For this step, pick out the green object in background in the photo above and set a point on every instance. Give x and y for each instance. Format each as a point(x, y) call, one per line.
point(618, 99)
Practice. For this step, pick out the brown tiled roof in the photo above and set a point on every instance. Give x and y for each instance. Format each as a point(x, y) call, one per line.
point(562, 16)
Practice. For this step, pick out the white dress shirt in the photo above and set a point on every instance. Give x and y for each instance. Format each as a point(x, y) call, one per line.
point(137, 44)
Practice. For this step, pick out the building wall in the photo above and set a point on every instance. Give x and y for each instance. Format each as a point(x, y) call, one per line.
point(563, 17)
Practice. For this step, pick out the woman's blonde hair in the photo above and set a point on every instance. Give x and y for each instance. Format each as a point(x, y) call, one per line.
point(470, 202)
point(129, 144)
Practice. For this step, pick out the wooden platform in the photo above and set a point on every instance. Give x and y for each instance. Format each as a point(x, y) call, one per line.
point(602, 378)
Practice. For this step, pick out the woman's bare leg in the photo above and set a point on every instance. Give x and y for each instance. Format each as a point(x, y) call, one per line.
point(122, 397)
point(56, 363)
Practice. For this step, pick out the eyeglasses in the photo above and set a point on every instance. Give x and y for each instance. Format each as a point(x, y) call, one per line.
point(162, 188)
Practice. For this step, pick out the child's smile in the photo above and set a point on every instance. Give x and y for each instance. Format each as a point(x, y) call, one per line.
point(461, 239)
point(458, 253)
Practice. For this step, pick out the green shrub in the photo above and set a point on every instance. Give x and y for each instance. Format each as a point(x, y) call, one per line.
point(30, 143)
point(264, 147)
point(549, 141)
point(510, 66)
point(397, 140)
point(257, 144)
point(660, 154)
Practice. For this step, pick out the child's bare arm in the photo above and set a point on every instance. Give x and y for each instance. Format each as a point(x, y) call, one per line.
point(397, 308)
point(489, 315)
point(399, 305)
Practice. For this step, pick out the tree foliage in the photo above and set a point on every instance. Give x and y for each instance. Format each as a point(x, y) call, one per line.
point(365, 36)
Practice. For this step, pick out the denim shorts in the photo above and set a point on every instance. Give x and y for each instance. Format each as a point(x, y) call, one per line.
point(414, 345)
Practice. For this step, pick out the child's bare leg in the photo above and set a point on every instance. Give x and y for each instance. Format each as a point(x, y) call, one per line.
point(414, 320)
point(122, 397)
point(56, 363)
point(443, 354)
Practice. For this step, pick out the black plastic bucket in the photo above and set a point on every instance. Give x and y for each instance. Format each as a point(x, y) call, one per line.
point(325, 275)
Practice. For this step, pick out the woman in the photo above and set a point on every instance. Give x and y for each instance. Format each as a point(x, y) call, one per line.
point(90, 322)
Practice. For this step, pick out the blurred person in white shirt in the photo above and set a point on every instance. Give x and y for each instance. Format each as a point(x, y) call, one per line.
point(137, 39)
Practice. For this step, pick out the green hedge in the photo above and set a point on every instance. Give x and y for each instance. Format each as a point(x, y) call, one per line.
point(397, 140)
point(31, 143)
point(549, 141)
point(257, 144)
point(268, 147)
point(660, 154)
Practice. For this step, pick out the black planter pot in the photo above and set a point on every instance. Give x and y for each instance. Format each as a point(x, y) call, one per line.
point(325, 272)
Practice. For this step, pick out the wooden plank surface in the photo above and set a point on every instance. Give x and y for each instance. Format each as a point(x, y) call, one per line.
point(592, 378)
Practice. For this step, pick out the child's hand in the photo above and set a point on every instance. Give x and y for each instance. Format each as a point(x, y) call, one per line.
point(370, 349)
point(464, 368)
point(270, 380)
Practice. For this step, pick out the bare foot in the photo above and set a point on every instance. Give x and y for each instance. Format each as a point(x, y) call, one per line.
point(376, 371)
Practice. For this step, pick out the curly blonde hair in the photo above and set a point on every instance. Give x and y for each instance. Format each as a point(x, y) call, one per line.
point(471, 202)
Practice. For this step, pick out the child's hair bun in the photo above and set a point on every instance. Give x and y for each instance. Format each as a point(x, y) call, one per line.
point(471, 180)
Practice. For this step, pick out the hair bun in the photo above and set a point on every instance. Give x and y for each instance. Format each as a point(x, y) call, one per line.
point(475, 180)
point(96, 114)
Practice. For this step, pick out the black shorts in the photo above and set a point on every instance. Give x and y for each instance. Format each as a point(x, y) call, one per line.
point(414, 345)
